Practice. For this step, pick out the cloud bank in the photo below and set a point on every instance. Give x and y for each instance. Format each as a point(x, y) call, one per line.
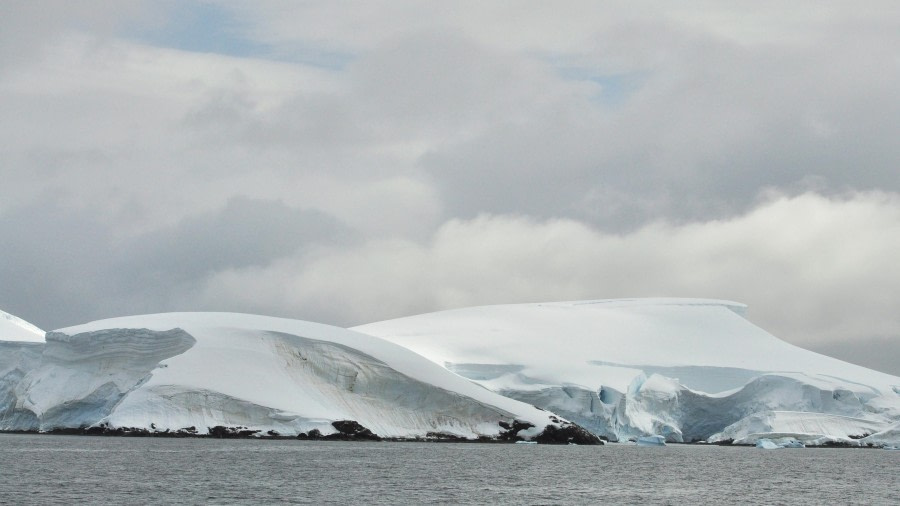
point(803, 263)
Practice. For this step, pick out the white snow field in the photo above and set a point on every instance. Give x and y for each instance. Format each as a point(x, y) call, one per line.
point(201, 370)
point(13, 328)
point(687, 369)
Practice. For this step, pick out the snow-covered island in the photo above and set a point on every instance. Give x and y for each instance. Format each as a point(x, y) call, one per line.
point(686, 369)
point(228, 374)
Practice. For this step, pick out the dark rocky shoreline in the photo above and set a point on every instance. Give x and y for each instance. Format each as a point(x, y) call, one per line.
point(222, 432)
point(347, 430)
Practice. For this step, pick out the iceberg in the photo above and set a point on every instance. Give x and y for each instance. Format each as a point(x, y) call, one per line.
point(685, 369)
point(655, 440)
point(792, 443)
point(229, 374)
point(767, 444)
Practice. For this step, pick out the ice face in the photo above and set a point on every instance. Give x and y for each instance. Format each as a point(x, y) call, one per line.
point(79, 379)
point(16, 359)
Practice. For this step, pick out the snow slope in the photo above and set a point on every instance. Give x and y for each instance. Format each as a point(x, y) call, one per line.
point(689, 369)
point(201, 370)
point(13, 328)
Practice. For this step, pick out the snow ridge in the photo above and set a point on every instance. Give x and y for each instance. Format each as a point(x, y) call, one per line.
point(13, 328)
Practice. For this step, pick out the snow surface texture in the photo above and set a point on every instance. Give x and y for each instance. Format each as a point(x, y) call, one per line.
point(180, 370)
point(686, 369)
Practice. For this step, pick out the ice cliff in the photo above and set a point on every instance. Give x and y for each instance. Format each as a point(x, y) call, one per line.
point(193, 372)
point(686, 369)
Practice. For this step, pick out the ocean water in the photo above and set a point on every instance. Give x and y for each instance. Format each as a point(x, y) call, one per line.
point(114, 470)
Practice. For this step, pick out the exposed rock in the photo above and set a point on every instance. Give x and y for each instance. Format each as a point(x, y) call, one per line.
point(187, 431)
point(351, 429)
point(565, 434)
point(222, 432)
point(445, 437)
point(511, 432)
point(313, 434)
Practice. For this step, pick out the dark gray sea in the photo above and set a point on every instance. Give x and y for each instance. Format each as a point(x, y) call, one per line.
point(115, 470)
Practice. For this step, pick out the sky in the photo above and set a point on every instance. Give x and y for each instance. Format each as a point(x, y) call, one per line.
point(353, 161)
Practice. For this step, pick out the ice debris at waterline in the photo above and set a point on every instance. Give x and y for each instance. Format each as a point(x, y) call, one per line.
point(232, 375)
point(766, 444)
point(787, 442)
point(656, 440)
point(686, 369)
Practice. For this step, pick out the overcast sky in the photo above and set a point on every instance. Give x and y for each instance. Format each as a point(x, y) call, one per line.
point(347, 162)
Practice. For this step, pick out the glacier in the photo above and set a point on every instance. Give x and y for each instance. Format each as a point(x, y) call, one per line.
point(205, 373)
point(686, 369)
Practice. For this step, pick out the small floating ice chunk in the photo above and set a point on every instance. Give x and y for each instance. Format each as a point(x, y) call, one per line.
point(767, 444)
point(790, 443)
point(785, 442)
point(655, 440)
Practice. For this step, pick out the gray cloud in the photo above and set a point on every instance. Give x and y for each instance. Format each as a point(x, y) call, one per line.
point(716, 121)
point(882, 353)
point(63, 267)
point(28, 28)
point(245, 233)
point(51, 259)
